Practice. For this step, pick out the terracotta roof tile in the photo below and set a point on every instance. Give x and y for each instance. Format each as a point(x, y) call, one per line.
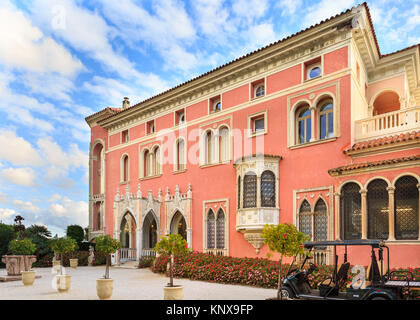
point(371, 164)
point(402, 137)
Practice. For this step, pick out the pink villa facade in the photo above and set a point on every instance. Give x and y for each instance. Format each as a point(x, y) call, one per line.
point(319, 129)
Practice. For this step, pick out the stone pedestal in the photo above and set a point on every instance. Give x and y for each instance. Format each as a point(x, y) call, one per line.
point(17, 263)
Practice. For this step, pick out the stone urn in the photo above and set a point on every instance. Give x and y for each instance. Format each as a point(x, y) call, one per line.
point(74, 263)
point(15, 264)
point(104, 288)
point(173, 293)
point(28, 277)
point(63, 282)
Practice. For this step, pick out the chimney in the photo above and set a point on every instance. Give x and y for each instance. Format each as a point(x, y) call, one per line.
point(126, 103)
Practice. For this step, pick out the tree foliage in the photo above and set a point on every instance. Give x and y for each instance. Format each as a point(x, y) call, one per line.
point(6, 235)
point(22, 247)
point(40, 237)
point(172, 245)
point(76, 232)
point(286, 240)
point(107, 245)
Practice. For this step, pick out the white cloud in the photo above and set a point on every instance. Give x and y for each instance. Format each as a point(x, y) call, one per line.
point(26, 205)
point(325, 9)
point(289, 7)
point(73, 211)
point(24, 46)
point(20, 176)
point(250, 9)
point(17, 150)
point(6, 215)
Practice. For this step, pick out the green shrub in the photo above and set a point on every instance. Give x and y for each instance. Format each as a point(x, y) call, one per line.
point(46, 261)
point(22, 247)
point(75, 232)
point(6, 235)
point(146, 262)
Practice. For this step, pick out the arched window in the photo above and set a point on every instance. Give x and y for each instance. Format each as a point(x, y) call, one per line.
point(326, 120)
point(146, 162)
point(250, 190)
point(305, 218)
point(209, 147)
point(180, 155)
point(377, 210)
point(268, 185)
point(406, 208)
point(320, 221)
point(350, 210)
point(124, 171)
point(303, 125)
point(259, 91)
point(156, 161)
point(224, 144)
point(211, 228)
point(239, 192)
point(387, 101)
point(220, 230)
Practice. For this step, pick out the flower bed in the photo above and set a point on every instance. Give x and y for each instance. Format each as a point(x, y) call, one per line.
point(230, 270)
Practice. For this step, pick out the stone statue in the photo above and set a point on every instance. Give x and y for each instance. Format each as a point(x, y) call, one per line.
point(91, 256)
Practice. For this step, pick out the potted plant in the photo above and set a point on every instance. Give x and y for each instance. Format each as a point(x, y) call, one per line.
point(106, 245)
point(172, 245)
point(77, 233)
point(24, 248)
point(286, 240)
point(62, 246)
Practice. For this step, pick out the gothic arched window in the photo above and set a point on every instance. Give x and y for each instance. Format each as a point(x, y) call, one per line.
point(211, 224)
point(377, 210)
point(305, 218)
point(220, 230)
point(268, 194)
point(250, 190)
point(320, 221)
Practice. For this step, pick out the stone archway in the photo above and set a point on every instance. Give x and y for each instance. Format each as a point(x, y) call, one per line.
point(150, 234)
point(179, 225)
point(128, 237)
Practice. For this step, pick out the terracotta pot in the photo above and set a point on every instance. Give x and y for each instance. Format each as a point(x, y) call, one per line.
point(173, 293)
point(15, 264)
point(28, 277)
point(63, 282)
point(104, 288)
point(73, 263)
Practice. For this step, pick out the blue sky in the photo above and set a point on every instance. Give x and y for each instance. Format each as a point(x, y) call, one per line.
point(63, 60)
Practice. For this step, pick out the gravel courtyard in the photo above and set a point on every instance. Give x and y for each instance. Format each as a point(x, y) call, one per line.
point(129, 284)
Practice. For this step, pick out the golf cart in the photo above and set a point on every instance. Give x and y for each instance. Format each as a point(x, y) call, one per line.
point(377, 286)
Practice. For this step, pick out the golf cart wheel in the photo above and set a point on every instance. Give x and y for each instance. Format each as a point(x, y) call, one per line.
point(287, 293)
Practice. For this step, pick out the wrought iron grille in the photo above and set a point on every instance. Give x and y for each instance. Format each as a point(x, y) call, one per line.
point(320, 222)
point(210, 230)
point(305, 218)
point(268, 196)
point(351, 216)
point(406, 208)
point(239, 192)
point(377, 213)
point(250, 190)
point(220, 230)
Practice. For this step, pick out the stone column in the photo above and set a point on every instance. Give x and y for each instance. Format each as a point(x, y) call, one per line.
point(312, 108)
point(363, 192)
point(337, 215)
point(139, 240)
point(391, 213)
point(258, 190)
point(189, 238)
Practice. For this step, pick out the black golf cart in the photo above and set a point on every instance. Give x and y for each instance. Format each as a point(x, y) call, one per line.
point(378, 285)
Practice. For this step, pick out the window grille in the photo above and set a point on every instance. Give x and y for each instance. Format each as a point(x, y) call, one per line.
point(220, 230)
point(305, 218)
point(268, 196)
point(250, 190)
point(210, 230)
point(350, 210)
point(406, 208)
point(377, 210)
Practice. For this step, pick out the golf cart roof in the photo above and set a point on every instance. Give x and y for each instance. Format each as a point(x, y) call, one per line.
point(373, 243)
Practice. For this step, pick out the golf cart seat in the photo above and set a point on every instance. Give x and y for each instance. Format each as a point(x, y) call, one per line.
point(341, 277)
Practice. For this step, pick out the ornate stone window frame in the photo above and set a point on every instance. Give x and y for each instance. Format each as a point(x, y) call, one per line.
point(255, 116)
point(215, 205)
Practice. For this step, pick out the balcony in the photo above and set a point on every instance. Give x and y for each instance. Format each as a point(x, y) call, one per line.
point(390, 123)
point(98, 197)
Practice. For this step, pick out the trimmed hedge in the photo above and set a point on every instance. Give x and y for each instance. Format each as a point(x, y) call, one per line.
point(258, 272)
point(46, 261)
